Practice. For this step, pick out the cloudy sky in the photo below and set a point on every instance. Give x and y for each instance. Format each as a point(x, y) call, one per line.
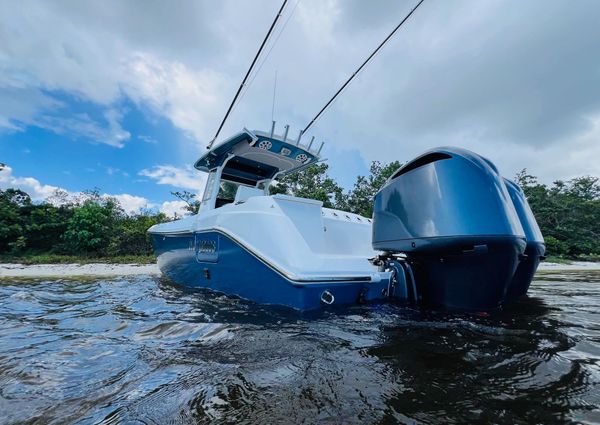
point(125, 95)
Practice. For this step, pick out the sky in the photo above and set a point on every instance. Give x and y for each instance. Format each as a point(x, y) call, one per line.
point(124, 96)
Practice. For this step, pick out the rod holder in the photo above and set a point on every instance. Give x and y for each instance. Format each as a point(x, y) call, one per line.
point(287, 129)
point(272, 129)
point(311, 142)
point(299, 137)
point(320, 147)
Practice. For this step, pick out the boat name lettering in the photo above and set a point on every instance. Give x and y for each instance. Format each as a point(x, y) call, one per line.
point(207, 247)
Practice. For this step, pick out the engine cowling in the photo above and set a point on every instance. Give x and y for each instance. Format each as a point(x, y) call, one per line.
point(535, 248)
point(451, 213)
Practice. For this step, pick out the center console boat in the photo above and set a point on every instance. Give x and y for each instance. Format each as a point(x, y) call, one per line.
point(447, 231)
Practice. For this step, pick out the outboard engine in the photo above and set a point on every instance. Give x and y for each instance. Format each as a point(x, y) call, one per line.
point(535, 249)
point(450, 214)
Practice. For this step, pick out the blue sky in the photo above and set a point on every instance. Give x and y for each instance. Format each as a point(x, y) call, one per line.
point(97, 94)
point(76, 161)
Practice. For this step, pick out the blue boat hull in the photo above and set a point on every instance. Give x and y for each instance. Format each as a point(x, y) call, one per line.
point(215, 261)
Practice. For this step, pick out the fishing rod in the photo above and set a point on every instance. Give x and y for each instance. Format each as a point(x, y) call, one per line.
point(248, 73)
point(310, 124)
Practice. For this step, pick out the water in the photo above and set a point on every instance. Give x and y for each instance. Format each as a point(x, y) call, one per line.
point(142, 350)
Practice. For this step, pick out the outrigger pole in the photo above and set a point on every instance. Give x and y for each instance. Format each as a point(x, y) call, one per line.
point(360, 68)
point(248, 73)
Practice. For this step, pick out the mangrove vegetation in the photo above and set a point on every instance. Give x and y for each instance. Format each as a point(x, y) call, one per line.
point(92, 227)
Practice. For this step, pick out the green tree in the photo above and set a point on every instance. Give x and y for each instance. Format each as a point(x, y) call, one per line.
point(92, 226)
point(12, 220)
point(131, 236)
point(313, 183)
point(359, 199)
point(568, 213)
point(193, 204)
point(46, 224)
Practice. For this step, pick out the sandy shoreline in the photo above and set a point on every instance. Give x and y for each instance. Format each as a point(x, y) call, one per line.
point(74, 270)
point(575, 265)
point(69, 270)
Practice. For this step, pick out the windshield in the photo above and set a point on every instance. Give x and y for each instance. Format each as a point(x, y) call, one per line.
point(227, 190)
point(226, 193)
point(210, 184)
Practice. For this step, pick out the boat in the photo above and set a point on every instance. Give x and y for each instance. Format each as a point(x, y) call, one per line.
point(447, 231)
point(272, 249)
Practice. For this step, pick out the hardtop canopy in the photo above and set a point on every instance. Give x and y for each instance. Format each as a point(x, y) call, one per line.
point(251, 156)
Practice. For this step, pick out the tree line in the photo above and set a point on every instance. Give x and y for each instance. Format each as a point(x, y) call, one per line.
point(568, 213)
point(86, 226)
point(91, 225)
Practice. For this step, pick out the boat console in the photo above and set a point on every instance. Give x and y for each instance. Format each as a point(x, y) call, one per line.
point(250, 159)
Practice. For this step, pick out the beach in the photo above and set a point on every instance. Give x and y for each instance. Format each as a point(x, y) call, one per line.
point(102, 269)
point(75, 270)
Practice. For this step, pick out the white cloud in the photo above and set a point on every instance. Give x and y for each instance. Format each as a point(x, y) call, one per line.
point(33, 187)
point(42, 192)
point(130, 203)
point(564, 160)
point(174, 208)
point(147, 139)
point(97, 55)
point(111, 171)
point(182, 178)
point(21, 107)
point(191, 99)
point(81, 125)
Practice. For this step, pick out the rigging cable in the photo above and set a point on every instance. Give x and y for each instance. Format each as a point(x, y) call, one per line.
point(273, 104)
point(269, 51)
point(361, 67)
point(248, 73)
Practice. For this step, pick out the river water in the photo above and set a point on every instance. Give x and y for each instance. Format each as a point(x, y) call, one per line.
point(143, 350)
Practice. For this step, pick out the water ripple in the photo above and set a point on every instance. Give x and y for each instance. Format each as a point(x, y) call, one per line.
point(143, 350)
